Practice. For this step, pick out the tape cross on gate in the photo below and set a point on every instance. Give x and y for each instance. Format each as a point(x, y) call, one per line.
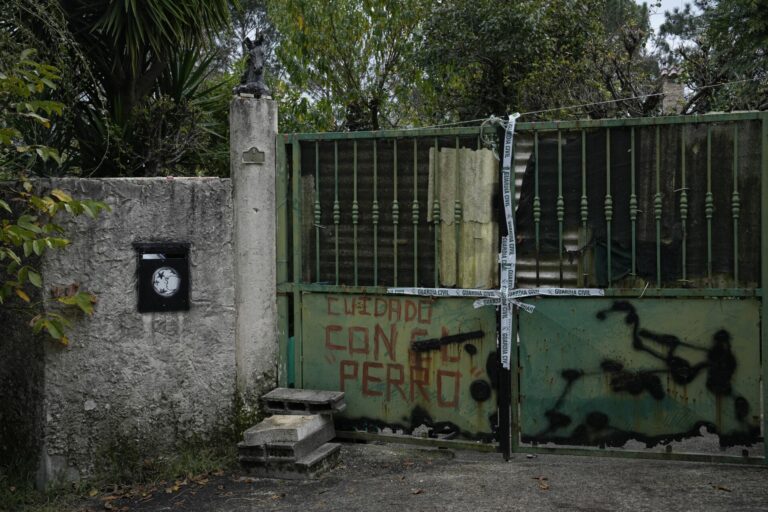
point(506, 296)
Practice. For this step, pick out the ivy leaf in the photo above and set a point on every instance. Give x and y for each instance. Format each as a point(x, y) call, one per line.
point(38, 246)
point(23, 274)
point(35, 278)
point(12, 255)
point(61, 195)
point(54, 328)
point(37, 118)
point(82, 300)
point(28, 222)
point(22, 295)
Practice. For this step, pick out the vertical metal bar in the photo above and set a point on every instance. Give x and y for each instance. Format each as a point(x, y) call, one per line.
point(684, 204)
point(336, 208)
point(415, 214)
point(633, 201)
point(764, 272)
point(375, 213)
point(709, 205)
point(355, 208)
point(514, 383)
point(584, 205)
point(457, 213)
point(318, 215)
point(657, 204)
point(735, 205)
point(281, 192)
point(608, 204)
point(297, 263)
point(395, 213)
point(436, 213)
point(505, 428)
point(536, 203)
point(560, 203)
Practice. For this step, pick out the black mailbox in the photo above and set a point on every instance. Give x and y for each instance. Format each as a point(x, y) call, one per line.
point(162, 276)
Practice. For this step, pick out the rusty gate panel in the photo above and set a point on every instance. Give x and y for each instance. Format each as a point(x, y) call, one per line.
point(403, 362)
point(603, 371)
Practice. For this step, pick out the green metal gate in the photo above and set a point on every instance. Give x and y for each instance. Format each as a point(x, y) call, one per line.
point(663, 213)
point(360, 220)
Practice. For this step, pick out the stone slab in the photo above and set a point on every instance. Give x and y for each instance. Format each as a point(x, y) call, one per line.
point(310, 396)
point(315, 458)
point(313, 465)
point(285, 429)
point(286, 451)
point(275, 407)
point(303, 401)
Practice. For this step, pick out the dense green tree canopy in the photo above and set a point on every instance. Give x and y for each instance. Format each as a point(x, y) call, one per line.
point(146, 84)
point(720, 42)
point(134, 79)
point(354, 59)
point(356, 64)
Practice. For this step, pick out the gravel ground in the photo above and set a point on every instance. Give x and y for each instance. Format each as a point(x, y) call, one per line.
point(389, 478)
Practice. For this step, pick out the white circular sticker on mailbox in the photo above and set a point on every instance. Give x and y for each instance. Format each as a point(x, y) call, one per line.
point(166, 281)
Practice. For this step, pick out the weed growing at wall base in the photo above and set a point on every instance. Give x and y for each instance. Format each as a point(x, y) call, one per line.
point(126, 473)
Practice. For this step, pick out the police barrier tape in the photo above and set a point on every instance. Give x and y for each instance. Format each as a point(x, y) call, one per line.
point(506, 297)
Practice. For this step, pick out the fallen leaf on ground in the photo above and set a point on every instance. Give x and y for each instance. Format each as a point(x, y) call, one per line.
point(542, 480)
point(92, 493)
point(721, 488)
point(417, 491)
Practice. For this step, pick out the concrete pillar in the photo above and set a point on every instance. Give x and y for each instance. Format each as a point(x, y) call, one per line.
point(253, 130)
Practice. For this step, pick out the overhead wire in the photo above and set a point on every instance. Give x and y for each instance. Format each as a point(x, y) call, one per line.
point(492, 118)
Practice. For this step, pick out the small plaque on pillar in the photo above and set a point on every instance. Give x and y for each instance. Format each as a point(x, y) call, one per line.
point(253, 156)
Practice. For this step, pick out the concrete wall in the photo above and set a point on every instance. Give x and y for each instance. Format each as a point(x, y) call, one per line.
point(147, 381)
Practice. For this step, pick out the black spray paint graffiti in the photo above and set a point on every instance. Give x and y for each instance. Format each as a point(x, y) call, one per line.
point(480, 390)
point(419, 416)
point(718, 363)
point(436, 343)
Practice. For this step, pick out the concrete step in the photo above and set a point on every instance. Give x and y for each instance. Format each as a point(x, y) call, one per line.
point(286, 451)
point(310, 466)
point(286, 428)
point(303, 401)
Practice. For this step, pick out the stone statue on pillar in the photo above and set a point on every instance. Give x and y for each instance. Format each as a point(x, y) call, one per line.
point(252, 81)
